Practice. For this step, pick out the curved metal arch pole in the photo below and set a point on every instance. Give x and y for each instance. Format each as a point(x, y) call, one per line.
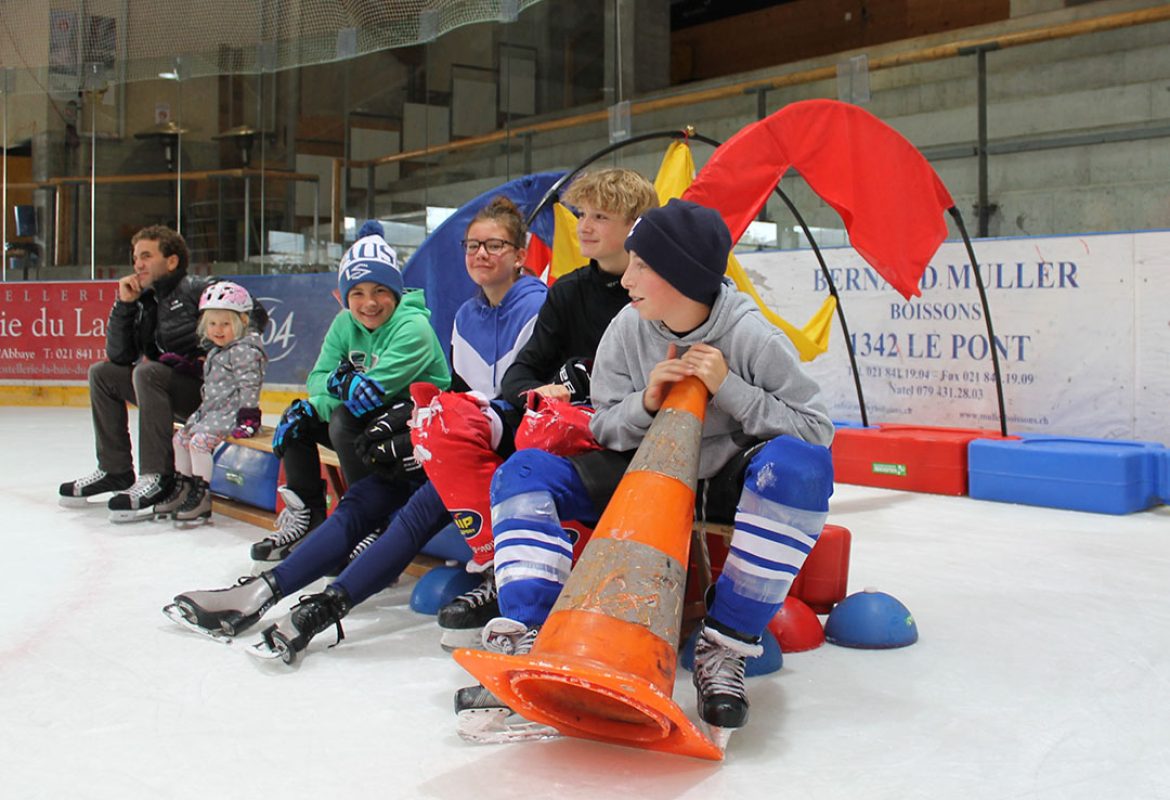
point(958, 217)
point(840, 311)
point(683, 134)
point(555, 189)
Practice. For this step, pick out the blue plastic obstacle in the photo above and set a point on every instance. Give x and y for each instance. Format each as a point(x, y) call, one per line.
point(440, 586)
point(871, 620)
point(769, 661)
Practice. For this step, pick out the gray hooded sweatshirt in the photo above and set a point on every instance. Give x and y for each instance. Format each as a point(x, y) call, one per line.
point(766, 393)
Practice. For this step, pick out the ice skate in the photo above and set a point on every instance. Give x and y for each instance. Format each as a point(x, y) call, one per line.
point(137, 503)
point(462, 620)
point(77, 494)
point(482, 717)
point(720, 659)
point(293, 524)
point(196, 507)
point(178, 615)
point(179, 491)
point(230, 611)
point(292, 634)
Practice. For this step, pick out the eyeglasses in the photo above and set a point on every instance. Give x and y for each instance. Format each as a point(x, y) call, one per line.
point(493, 246)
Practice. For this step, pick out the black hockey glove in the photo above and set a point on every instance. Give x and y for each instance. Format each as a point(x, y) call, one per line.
point(385, 444)
point(574, 376)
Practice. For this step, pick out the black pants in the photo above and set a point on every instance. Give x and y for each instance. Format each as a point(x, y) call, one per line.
point(302, 463)
point(161, 394)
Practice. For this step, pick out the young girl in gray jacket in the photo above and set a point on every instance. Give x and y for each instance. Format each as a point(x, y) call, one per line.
point(232, 376)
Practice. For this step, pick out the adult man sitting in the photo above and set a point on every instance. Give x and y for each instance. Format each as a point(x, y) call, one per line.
point(153, 362)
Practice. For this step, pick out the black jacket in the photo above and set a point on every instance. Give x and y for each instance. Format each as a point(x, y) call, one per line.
point(576, 312)
point(163, 320)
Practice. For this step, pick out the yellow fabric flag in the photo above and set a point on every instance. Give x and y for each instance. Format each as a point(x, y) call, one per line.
point(676, 173)
point(566, 250)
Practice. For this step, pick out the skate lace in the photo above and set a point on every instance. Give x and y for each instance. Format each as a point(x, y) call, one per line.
point(144, 486)
point(192, 500)
point(315, 612)
point(364, 545)
point(512, 644)
point(481, 595)
point(290, 526)
point(90, 479)
point(719, 670)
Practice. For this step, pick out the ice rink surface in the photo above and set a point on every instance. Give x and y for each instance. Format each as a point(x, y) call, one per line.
point(1042, 671)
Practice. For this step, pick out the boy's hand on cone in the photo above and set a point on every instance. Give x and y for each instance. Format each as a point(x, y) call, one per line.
point(707, 364)
point(664, 375)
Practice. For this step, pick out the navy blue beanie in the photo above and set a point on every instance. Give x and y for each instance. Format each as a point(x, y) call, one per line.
point(369, 259)
point(686, 244)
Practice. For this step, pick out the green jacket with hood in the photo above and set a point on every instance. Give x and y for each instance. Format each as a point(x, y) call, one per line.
point(404, 349)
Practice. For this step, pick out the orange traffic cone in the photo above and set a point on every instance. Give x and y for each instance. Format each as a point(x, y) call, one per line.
point(603, 665)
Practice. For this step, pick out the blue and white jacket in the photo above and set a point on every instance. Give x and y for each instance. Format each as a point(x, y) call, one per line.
point(486, 339)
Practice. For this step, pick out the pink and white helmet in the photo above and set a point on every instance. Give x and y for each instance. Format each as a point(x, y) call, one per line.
point(226, 295)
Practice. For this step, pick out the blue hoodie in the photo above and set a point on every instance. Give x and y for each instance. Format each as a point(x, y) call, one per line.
point(486, 339)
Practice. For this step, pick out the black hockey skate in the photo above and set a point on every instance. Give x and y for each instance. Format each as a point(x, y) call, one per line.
point(137, 503)
point(482, 717)
point(179, 491)
point(292, 634)
point(292, 525)
point(196, 507)
point(720, 659)
point(462, 620)
point(225, 612)
point(77, 494)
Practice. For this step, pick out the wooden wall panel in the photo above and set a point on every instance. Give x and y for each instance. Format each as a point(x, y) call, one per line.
point(810, 28)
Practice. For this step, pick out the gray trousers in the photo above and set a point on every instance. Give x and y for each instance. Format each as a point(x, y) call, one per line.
point(161, 395)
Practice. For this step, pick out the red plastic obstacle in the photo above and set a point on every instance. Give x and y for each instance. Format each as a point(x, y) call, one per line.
point(797, 627)
point(823, 581)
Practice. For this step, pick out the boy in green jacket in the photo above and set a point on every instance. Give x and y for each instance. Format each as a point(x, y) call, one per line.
point(380, 344)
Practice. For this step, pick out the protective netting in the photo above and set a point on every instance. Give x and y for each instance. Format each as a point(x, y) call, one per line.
point(68, 45)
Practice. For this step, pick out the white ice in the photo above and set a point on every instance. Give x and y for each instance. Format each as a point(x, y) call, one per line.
point(1042, 671)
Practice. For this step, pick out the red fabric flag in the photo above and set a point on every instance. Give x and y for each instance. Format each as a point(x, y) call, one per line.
point(888, 195)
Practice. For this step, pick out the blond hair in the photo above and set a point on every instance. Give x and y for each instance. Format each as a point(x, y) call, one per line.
point(616, 190)
point(239, 322)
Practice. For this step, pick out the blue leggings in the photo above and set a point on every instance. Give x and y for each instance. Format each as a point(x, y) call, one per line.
point(368, 505)
point(781, 511)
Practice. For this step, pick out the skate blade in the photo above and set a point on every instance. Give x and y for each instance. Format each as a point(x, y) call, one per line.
point(175, 614)
point(122, 517)
point(718, 736)
point(65, 501)
point(499, 726)
point(187, 524)
point(455, 638)
point(262, 651)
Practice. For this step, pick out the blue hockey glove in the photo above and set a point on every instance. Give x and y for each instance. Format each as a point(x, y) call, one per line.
point(337, 384)
point(293, 423)
point(365, 395)
point(360, 393)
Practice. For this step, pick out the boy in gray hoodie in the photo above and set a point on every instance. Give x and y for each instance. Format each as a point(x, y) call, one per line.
point(764, 448)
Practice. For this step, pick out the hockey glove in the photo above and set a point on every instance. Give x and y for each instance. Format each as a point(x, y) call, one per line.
point(192, 368)
point(247, 423)
point(385, 443)
point(574, 376)
point(293, 423)
point(360, 393)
